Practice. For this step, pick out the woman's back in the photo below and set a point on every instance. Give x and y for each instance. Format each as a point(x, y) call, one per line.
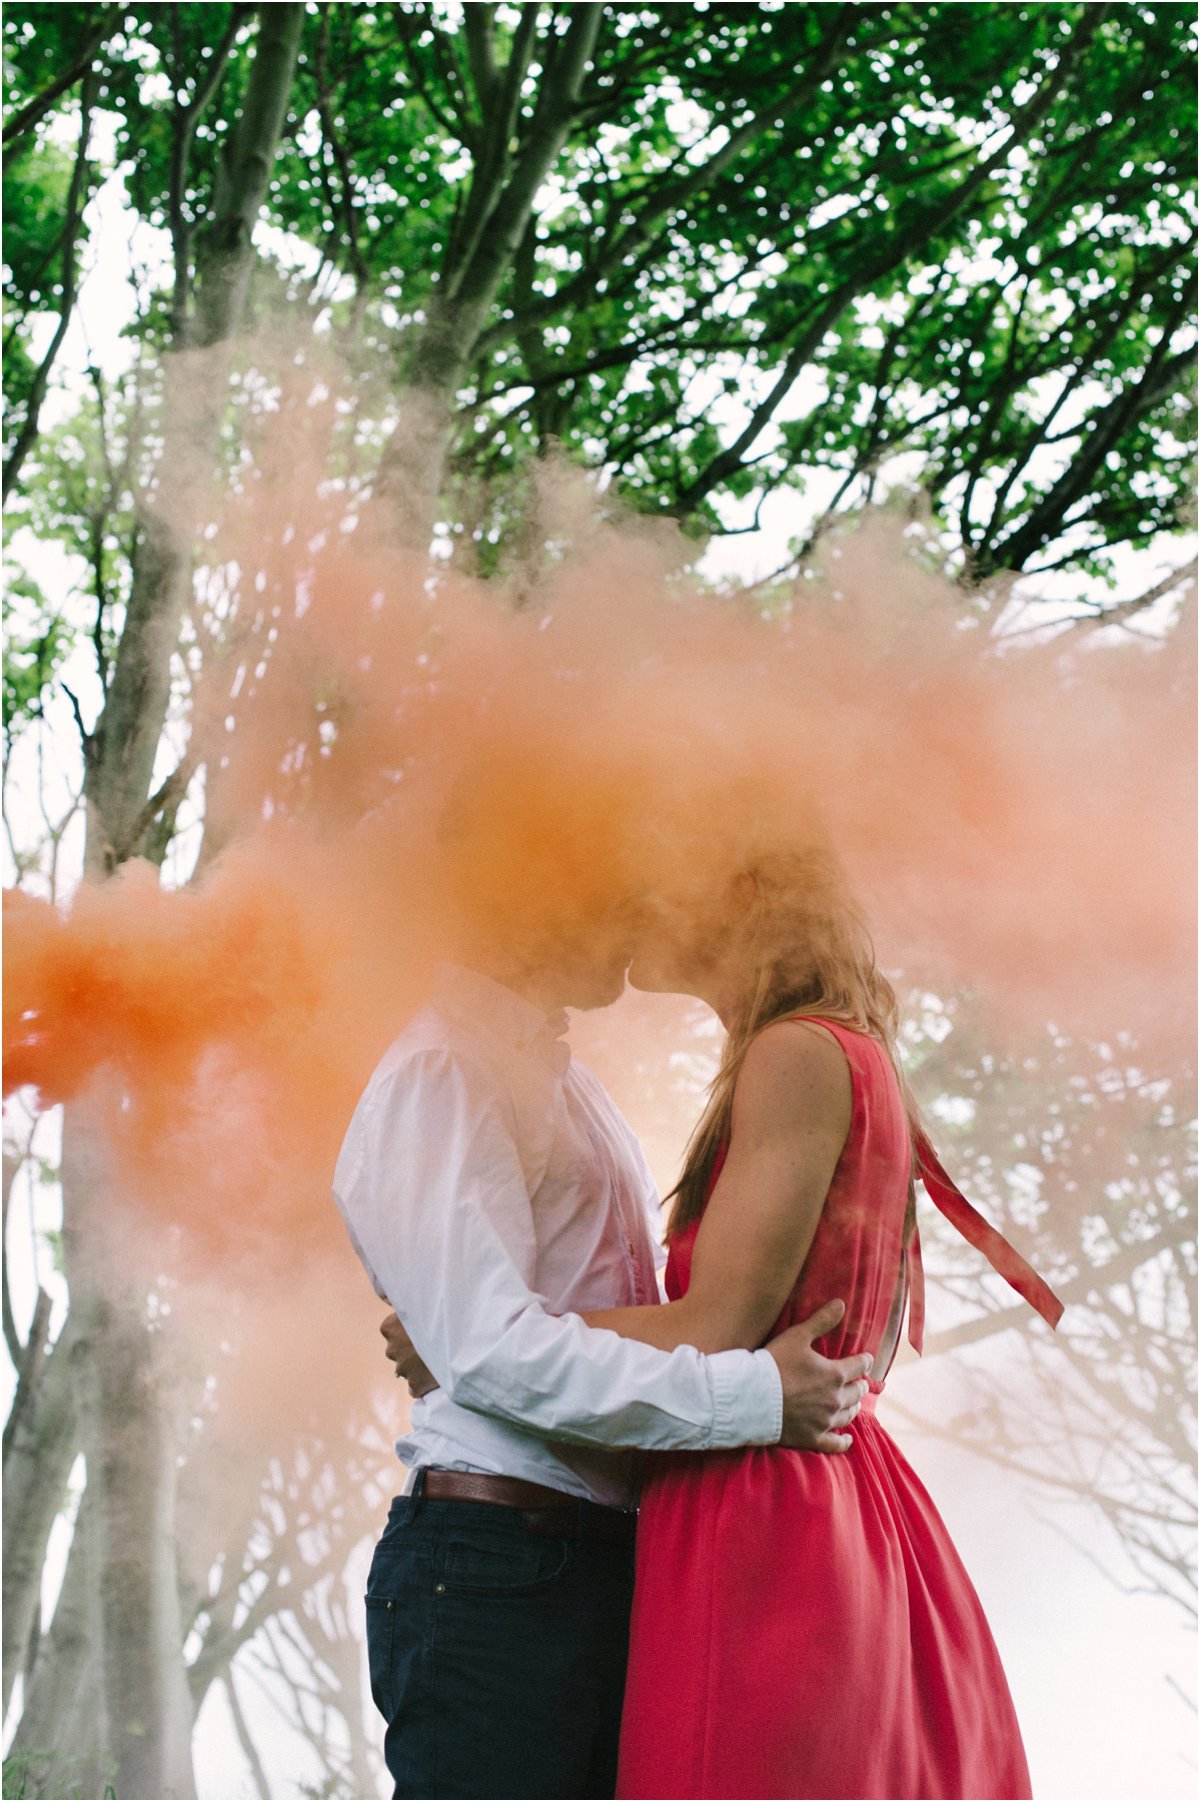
point(802, 1624)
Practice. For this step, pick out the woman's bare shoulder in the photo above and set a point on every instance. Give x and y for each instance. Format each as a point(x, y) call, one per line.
point(794, 1061)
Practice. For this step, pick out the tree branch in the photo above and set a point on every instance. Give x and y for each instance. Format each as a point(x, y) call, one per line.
point(1077, 1289)
point(495, 221)
point(171, 791)
point(892, 252)
point(225, 248)
point(184, 125)
point(1105, 427)
point(479, 31)
point(457, 124)
point(76, 200)
point(36, 109)
point(345, 209)
point(1123, 610)
point(667, 196)
point(28, 1364)
point(249, 1749)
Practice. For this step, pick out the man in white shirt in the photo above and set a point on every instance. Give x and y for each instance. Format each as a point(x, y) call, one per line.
point(494, 1193)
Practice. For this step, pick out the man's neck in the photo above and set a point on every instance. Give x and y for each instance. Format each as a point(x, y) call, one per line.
point(539, 988)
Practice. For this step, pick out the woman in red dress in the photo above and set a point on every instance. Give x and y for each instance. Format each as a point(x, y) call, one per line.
point(802, 1624)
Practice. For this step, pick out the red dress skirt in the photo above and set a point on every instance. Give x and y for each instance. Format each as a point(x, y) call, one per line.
point(802, 1625)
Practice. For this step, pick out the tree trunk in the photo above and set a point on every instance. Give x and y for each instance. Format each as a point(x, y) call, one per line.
point(40, 1443)
point(504, 186)
point(141, 1723)
point(127, 737)
point(60, 1737)
point(132, 1469)
point(122, 1624)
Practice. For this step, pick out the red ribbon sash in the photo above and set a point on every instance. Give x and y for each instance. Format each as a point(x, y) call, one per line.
point(1003, 1258)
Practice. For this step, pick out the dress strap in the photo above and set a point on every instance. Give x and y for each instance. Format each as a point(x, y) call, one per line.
point(1003, 1258)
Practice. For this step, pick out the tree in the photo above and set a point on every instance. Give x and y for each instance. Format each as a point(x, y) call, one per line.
point(132, 1602)
point(715, 252)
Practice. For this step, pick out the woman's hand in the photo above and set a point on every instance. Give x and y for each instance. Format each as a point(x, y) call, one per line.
point(404, 1355)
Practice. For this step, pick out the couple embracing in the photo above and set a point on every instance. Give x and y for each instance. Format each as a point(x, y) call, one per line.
point(639, 1553)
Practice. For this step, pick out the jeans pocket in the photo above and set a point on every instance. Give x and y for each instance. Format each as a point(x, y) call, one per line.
point(502, 1565)
point(381, 1635)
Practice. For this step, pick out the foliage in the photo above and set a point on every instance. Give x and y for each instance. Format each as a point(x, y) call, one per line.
point(957, 233)
point(35, 1773)
point(31, 660)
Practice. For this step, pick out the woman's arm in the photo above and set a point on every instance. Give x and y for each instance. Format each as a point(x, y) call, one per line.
point(791, 1118)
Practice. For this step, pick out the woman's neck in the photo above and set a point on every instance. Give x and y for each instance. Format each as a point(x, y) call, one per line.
point(724, 994)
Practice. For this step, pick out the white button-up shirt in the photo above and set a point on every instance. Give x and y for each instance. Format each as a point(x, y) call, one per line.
point(494, 1193)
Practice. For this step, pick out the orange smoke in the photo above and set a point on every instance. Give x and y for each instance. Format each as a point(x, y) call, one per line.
point(398, 771)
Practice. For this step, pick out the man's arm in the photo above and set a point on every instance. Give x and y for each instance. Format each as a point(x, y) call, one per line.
point(821, 1395)
point(435, 1198)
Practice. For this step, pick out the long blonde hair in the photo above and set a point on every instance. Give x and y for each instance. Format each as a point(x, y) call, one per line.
point(808, 946)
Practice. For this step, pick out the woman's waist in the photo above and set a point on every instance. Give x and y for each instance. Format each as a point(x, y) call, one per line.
point(753, 1463)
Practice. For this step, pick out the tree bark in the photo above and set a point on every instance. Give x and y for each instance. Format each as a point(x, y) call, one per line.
point(132, 1473)
point(60, 1732)
point(40, 1443)
point(499, 209)
point(123, 1594)
point(130, 727)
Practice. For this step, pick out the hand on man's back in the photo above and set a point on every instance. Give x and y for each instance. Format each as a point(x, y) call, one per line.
point(404, 1356)
point(821, 1396)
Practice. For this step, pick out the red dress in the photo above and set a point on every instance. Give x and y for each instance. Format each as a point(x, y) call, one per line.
point(802, 1625)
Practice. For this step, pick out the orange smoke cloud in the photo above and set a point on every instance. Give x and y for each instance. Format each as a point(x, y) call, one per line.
point(397, 769)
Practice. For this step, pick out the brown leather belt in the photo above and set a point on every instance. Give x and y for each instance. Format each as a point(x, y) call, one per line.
point(549, 1513)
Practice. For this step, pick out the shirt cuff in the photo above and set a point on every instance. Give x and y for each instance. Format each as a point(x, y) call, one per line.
point(747, 1399)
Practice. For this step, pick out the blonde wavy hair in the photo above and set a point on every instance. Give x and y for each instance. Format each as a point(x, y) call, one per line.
point(808, 952)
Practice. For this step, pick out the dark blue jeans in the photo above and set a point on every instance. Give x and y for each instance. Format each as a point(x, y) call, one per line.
point(497, 1657)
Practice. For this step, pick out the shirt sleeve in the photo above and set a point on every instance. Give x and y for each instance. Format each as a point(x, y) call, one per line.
point(436, 1203)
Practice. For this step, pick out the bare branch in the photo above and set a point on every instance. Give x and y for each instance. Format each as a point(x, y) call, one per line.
point(245, 1741)
point(87, 739)
point(170, 791)
point(1076, 1289)
point(1123, 610)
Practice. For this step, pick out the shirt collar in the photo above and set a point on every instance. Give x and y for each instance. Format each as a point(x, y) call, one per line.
point(475, 1001)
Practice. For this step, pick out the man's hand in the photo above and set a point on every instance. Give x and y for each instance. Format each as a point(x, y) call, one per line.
point(820, 1394)
point(404, 1356)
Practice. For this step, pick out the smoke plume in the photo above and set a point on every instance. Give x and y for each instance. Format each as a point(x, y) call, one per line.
point(399, 766)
